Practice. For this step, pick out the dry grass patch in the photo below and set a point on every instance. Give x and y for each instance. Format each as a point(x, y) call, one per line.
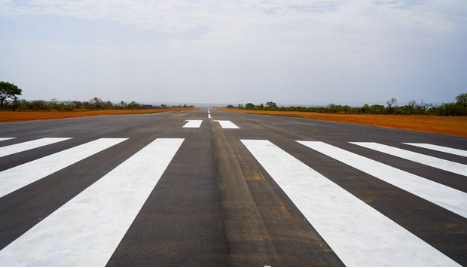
point(8, 116)
point(450, 125)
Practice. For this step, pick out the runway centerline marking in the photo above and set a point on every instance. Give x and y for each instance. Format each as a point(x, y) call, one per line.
point(226, 124)
point(87, 229)
point(28, 145)
point(193, 123)
point(358, 234)
point(439, 194)
point(5, 139)
point(439, 148)
point(431, 161)
point(17, 177)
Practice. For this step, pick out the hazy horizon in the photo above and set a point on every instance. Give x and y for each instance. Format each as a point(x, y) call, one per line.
point(290, 52)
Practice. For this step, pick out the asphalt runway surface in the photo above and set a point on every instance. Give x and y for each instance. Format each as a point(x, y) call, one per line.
point(229, 189)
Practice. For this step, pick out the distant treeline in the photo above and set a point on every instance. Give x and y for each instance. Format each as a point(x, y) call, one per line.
point(94, 104)
point(457, 108)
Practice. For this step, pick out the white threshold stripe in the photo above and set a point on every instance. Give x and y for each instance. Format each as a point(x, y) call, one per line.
point(28, 145)
point(431, 161)
point(357, 233)
point(440, 148)
point(17, 177)
point(5, 139)
point(226, 124)
point(193, 123)
point(436, 193)
point(87, 230)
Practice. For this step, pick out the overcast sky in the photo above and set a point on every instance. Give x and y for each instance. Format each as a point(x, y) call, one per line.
point(235, 51)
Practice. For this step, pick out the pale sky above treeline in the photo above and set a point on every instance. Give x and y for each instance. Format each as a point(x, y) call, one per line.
point(299, 52)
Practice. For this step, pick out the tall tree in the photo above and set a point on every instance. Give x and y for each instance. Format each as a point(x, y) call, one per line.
point(271, 104)
point(412, 104)
point(462, 99)
point(249, 106)
point(392, 103)
point(8, 91)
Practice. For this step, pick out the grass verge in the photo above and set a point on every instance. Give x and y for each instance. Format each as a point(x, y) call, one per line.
point(8, 116)
point(450, 125)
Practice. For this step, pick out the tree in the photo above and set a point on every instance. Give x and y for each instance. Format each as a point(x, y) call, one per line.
point(377, 109)
point(98, 103)
point(412, 104)
point(365, 108)
point(271, 104)
point(249, 106)
point(134, 105)
point(230, 106)
point(78, 104)
point(392, 103)
point(8, 91)
point(424, 106)
point(462, 99)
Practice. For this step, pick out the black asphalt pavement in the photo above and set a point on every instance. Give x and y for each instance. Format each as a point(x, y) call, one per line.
point(215, 204)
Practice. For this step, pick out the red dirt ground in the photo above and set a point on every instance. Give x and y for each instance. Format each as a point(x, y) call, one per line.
point(8, 116)
point(450, 125)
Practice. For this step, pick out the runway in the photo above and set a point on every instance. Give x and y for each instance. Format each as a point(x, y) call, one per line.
point(214, 188)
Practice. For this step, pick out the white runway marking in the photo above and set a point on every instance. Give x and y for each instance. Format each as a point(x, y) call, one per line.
point(226, 124)
point(440, 148)
point(441, 195)
point(193, 123)
point(5, 139)
point(28, 145)
point(15, 178)
point(87, 230)
point(416, 157)
point(209, 115)
point(358, 234)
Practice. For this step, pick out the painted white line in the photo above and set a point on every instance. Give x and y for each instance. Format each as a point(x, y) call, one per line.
point(358, 234)
point(416, 157)
point(193, 123)
point(209, 115)
point(5, 139)
point(441, 195)
point(28, 145)
point(15, 178)
point(226, 124)
point(440, 148)
point(208, 110)
point(87, 230)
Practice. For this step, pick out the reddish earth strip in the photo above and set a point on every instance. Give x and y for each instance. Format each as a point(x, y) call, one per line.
point(8, 116)
point(450, 125)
